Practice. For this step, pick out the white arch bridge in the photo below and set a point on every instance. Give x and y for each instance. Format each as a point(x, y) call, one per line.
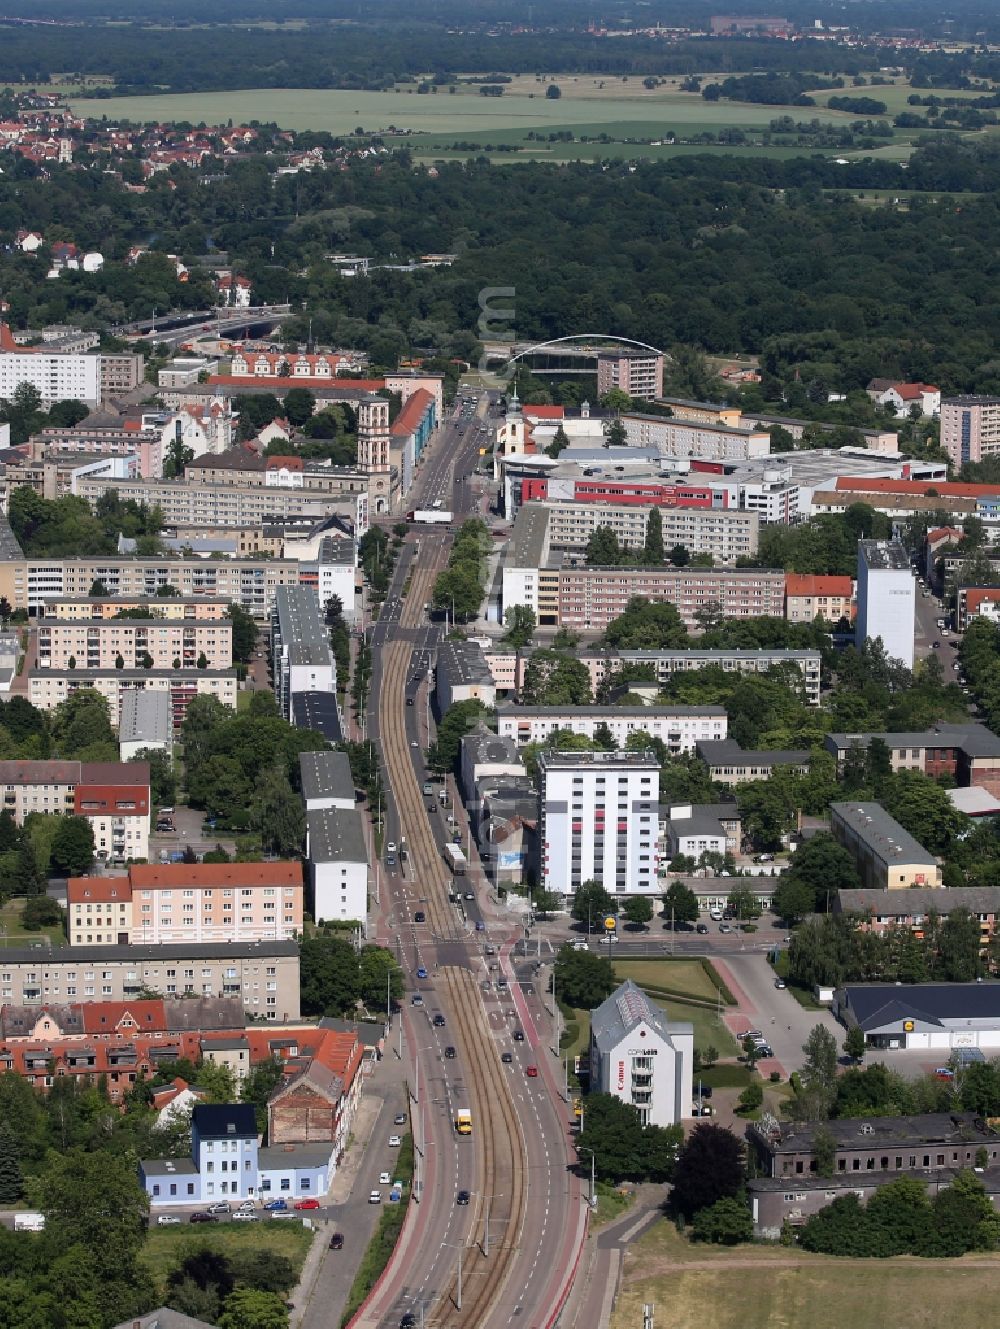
point(559, 355)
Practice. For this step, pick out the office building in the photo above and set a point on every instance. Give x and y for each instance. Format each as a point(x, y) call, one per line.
point(264, 975)
point(887, 857)
point(50, 688)
point(114, 797)
point(636, 373)
point(642, 1057)
point(338, 865)
point(730, 764)
point(970, 428)
point(886, 599)
point(146, 722)
point(599, 821)
point(186, 902)
point(680, 728)
point(302, 660)
point(966, 754)
point(134, 643)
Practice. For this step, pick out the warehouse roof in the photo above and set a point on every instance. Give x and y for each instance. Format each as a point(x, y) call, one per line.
point(882, 834)
point(932, 1003)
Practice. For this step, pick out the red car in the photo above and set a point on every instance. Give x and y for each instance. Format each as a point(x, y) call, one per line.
point(532, 1072)
point(306, 1204)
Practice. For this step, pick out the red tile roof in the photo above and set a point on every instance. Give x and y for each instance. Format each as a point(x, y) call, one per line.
point(146, 876)
point(414, 410)
point(544, 412)
point(943, 488)
point(805, 583)
point(98, 890)
point(974, 596)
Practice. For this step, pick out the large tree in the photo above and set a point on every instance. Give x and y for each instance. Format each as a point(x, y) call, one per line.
point(591, 903)
point(582, 979)
point(622, 1148)
point(710, 1167)
point(646, 625)
point(72, 852)
point(680, 903)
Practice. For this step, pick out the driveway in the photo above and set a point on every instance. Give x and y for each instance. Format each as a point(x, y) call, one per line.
point(773, 1011)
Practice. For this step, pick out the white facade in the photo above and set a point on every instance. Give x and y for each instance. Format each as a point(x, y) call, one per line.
point(599, 821)
point(338, 574)
point(642, 1057)
point(886, 599)
point(57, 377)
point(338, 865)
point(679, 727)
point(675, 436)
point(520, 587)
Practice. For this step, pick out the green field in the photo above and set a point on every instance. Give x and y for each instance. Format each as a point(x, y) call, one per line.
point(685, 976)
point(466, 114)
point(771, 1287)
point(166, 1247)
point(12, 931)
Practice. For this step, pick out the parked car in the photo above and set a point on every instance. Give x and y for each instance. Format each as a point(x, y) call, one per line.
point(779, 983)
point(203, 1218)
point(394, 1141)
point(385, 1178)
point(220, 1207)
point(399, 1119)
point(374, 1197)
point(246, 1217)
point(307, 1204)
point(276, 1206)
point(337, 1241)
point(480, 926)
point(167, 1220)
point(417, 999)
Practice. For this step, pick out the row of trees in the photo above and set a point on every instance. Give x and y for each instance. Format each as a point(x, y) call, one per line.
point(459, 589)
point(336, 978)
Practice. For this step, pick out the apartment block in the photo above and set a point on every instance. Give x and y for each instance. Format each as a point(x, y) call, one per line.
point(724, 533)
point(120, 373)
point(887, 857)
point(809, 597)
point(802, 667)
point(113, 796)
point(30, 583)
point(970, 428)
point(49, 688)
point(976, 602)
point(886, 598)
point(679, 727)
point(264, 975)
point(174, 609)
point(590, 598)
point(674, 436)
point(636, 373)
point(300, 647)
point(56, 376)
point(599, 821)
point(182, 903)
point(327, 781)
point(462, 674)
point(132, 643)
point(338, 865)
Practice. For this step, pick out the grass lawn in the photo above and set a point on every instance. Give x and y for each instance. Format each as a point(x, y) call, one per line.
point(611, 1204)
point(166, 1247)
point(708, 1028)
point(687, 976)
point(764, 1287)
point(12, 932)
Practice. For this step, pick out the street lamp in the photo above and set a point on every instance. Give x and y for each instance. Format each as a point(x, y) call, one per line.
point(593, 1179)
point(461, 1248)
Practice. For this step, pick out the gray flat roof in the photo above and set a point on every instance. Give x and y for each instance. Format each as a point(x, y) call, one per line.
point(146, 716)
point(168, 1167)
point(528, 536)
point(975, 740)
point(334, 550)
point(718, 751)
point(326, 775)
point(882, 833)
point(318, 711)
point(335, 834)
point(294, 1155)
point(463, 662)
point(300, 623)
point(977, 899)
point(885, 555)
point(223, 624)
point(236, 950)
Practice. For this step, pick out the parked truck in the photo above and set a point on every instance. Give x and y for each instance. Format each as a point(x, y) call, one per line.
point(463, 1122)
point(29, 1222)
point(455, 859)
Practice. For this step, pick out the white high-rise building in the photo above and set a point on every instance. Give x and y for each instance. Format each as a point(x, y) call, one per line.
point(886, 598)
point(600, 821)
point(642, 1056)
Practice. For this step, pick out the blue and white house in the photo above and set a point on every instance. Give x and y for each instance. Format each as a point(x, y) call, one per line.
point(227, 1163)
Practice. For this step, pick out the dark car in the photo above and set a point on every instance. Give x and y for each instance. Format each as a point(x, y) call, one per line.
point(702, 928)
point(518, 1035)
point(409, 701)
point(337, 1241)
point(506, 1057)
point(439, 1021)
point(420, 916)
point(449, 1052)
point(408, 1321)
point(203, 1218)
point(462, 1197)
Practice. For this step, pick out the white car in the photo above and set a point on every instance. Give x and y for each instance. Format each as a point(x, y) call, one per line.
point(391, 847)
point(247, 1207)
point(385, 1179)
point(394, 1141)
point(167, 1220)
point(374, 1197)
point(245, 1216)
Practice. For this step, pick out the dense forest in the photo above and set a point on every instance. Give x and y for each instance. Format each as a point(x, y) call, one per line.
point(729, 256)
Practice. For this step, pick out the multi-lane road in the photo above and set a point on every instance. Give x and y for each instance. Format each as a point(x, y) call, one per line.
point(515, 1240)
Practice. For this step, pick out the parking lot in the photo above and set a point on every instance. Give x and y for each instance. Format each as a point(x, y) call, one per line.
point(187, 831)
